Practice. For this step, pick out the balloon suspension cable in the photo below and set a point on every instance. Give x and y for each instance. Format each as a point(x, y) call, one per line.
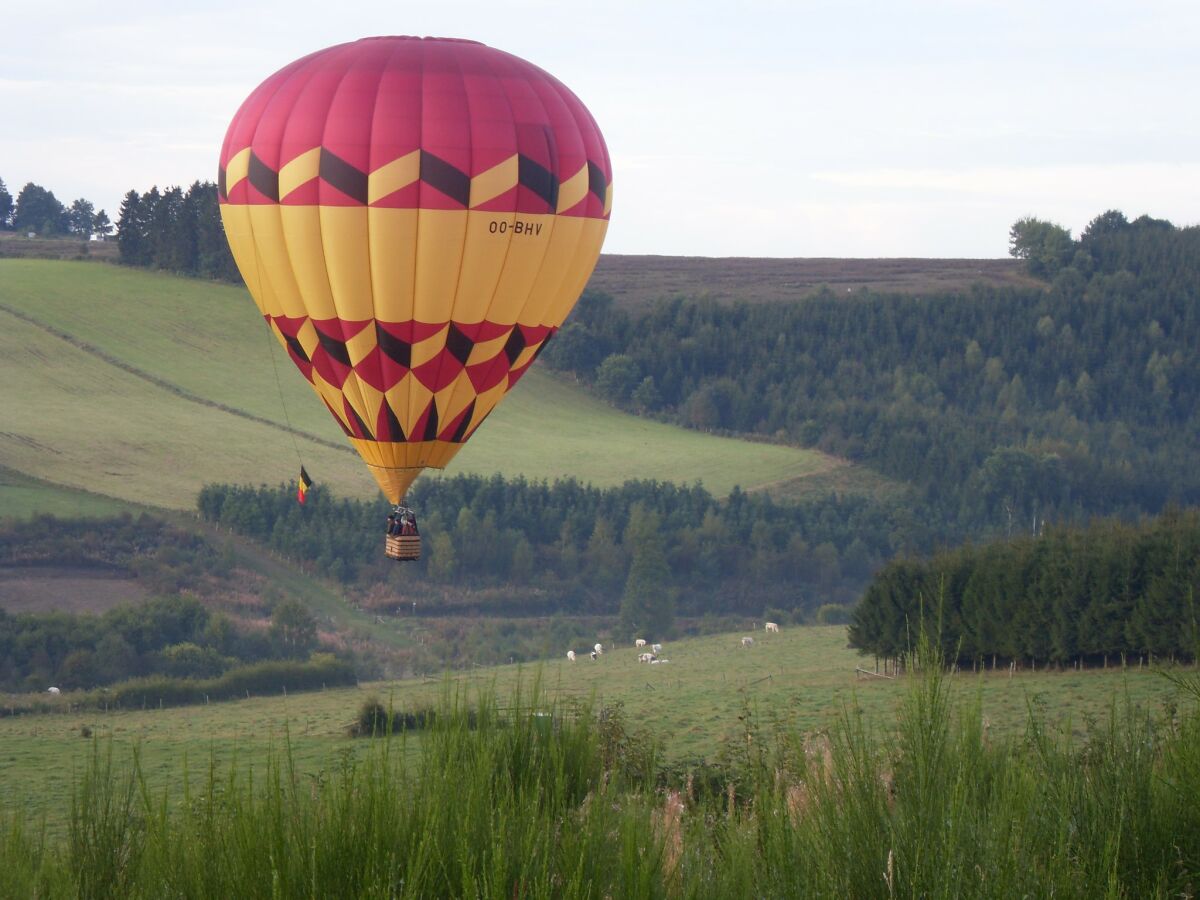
point(279, 383)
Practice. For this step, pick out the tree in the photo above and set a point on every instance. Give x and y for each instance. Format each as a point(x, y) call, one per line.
point(38, 210)
point(645, 396)
point(617, 376)
point(81, 218)
point(213, 259)
point(647, 607)
point(443, 558)
point(605, 560)
point(132, 232)
point(6, 207)
point(294, 628)
point(1046, 247)
point(102, 226)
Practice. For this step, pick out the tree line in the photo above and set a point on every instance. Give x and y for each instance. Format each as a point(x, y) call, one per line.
point(1002, 406)
point(1071, 594)
point(643, 551)
point(168, 638)
point(37, 210)
point(177, 231)
point(171, 635)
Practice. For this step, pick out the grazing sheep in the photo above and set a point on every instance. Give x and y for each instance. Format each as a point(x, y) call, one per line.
point(646, 657)
point(747, 642)
point(571, 655)
point(599, 648)
point(773, 626)
point(593, 656)
point(53, 690)
point(639, 643)
point(656, 648)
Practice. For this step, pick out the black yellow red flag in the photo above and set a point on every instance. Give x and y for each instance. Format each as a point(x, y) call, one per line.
point(305, 484)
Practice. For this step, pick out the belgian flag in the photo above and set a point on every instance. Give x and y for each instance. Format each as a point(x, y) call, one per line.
point(305, 484)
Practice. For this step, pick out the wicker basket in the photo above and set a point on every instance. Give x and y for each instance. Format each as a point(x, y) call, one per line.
point(406, 547)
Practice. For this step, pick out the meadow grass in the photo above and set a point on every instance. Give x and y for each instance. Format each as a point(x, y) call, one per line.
point(22, 497)
point(145, 386)
point(538, 798)
point(799, 681)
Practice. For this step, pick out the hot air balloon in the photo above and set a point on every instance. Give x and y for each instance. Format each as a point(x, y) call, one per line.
point(415, 218)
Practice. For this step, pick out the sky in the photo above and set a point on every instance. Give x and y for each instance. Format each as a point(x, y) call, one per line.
point(740, 128)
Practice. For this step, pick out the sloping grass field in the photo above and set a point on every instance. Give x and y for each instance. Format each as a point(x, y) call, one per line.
point(143, 387)
point(699, 705)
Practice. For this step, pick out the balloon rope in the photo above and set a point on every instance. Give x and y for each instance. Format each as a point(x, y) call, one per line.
point(282, 404)
point(271, 342)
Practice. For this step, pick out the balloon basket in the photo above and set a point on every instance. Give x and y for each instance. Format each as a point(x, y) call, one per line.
point(404, 547)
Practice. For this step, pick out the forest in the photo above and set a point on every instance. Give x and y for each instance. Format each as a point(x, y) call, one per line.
point(643, 551)
point(1094, 595)
point(1002, 407)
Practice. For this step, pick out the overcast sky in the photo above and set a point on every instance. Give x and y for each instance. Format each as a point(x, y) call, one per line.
point(738, 128)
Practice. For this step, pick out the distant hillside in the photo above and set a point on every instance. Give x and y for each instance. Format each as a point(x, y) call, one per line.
point(1003, 405)
point(20, 246)
point(636, 281)
point(145, 386)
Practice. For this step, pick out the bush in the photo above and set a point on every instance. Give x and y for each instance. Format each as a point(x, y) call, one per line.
point(261, 678)
point(376, 720)
point(834, 614)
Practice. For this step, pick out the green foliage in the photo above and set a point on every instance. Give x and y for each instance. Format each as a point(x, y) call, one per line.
point(375, 719)
point(6, 207)
point(1069, 594)
point(294, 628)
point(172, 634)
point(580, 545)
point(263, 678)
point(538, 799)
point(833, 614)
point(647, 607)
point(1046, 247)
point(1000, 406)
point(176, 231)
point(38, 210)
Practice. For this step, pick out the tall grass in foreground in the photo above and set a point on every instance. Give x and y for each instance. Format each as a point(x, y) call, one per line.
point(511, 802)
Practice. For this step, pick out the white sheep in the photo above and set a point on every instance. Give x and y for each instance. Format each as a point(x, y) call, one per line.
point(656, 648)
point(53, 690)
point(571, 655)
point(599, 649)
point(747, 642)
point(646, 657)
point(639, 643)
point(773, 626)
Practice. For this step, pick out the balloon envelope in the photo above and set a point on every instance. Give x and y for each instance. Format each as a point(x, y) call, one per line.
point(414, 217)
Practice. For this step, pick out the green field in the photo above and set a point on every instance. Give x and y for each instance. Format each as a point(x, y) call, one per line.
point(801, 679)
point(143, 387)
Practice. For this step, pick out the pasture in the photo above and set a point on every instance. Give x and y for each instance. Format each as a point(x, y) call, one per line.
point(699, 706)
point(142, 387)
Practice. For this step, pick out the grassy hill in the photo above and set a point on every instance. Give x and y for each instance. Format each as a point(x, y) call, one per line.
point(142, 387)
point(801, 679)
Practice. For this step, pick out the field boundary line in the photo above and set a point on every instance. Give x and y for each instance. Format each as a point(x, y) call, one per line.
point(163, 384)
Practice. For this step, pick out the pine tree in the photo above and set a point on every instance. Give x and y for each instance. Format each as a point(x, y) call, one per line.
point(647, 606)
point(6, 207)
